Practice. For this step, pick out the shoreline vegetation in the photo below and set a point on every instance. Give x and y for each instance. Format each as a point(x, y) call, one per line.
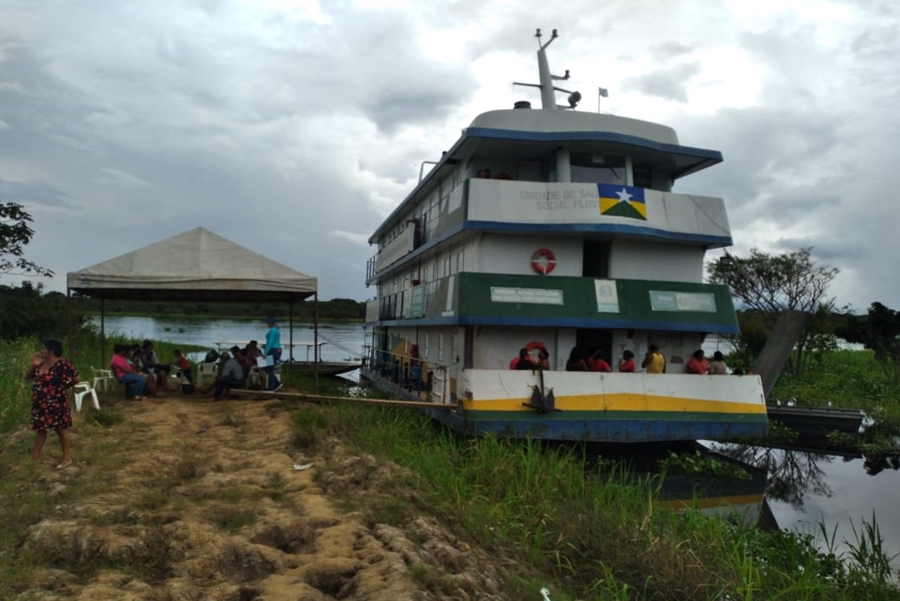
point(337, 309)
point(545, 514)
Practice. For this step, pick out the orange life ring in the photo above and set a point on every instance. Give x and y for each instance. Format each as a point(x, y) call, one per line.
point(543, 261)
point(535, 345)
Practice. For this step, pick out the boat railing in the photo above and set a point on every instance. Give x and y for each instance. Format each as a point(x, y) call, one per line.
point(411, 375)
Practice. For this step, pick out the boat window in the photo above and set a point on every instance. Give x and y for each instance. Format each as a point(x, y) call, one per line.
point(597, 168)
point(643, 176)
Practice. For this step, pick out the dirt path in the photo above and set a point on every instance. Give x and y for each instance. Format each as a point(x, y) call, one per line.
point(211, 501)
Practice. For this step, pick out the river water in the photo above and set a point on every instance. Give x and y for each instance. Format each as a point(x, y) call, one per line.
point(804, 489)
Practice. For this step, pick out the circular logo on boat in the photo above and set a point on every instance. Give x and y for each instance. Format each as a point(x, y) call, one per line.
point(543, 261)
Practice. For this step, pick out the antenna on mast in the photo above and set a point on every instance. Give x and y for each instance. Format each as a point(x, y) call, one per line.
point(548, 90)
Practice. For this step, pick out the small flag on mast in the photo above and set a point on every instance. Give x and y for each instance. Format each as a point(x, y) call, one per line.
point(604, 93)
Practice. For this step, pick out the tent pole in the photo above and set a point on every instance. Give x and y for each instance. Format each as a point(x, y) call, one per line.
point(291, 330)
point(102, 331)
point(69, 322)
point(316, 341)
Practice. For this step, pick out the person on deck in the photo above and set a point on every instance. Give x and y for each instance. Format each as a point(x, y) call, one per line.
point(626, 363)
point(654, 362)
point(543, 359)
point(273, 349)
point(596, 362)
point(523, 361)
point(576, 361)
point(717, 366)
point(697, 364)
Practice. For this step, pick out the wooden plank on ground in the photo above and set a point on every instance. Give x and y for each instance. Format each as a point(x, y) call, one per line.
point(319, 398)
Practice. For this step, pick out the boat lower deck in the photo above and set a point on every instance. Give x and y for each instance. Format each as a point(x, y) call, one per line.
point(599, 407)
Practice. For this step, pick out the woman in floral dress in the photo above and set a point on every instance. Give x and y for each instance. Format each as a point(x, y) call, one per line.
point(52, 376)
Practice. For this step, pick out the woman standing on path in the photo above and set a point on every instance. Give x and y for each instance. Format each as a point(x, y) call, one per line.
point(52, 376)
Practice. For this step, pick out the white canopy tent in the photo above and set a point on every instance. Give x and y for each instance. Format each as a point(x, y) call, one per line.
point(197, 266)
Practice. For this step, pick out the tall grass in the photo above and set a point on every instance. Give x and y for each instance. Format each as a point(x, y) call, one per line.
point(584, 530)
point(843, 378)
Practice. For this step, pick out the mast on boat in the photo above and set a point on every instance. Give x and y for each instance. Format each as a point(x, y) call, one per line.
point(548, 90)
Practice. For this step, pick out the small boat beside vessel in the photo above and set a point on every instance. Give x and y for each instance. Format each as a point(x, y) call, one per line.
point(557, 231)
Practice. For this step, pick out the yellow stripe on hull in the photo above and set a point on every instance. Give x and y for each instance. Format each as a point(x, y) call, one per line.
point(621, 402)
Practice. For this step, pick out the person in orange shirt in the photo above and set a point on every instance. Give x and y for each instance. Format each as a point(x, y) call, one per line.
point(596, 362)
point(626, 363)
point(697, 364)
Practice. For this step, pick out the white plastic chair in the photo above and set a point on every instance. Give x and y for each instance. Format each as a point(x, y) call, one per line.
point(84, 388)
point(205, 370)
point(256, 378)
point(103, 378)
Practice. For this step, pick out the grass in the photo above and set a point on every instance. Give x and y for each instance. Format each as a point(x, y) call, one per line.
point(551, 519)
point(842, 378)
point(541, 515)
point(850, 380)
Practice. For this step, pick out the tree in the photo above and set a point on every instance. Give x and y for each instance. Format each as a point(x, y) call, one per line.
point(880, 333)
point(15, 234)
point(768, 284)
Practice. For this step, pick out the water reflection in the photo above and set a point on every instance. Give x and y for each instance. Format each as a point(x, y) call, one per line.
point(792, 474)
point(811, 491)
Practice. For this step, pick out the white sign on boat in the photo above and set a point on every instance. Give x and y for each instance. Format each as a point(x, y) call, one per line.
point(535, 296)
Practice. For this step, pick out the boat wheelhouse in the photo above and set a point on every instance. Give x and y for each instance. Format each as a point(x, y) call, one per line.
point(556, 229)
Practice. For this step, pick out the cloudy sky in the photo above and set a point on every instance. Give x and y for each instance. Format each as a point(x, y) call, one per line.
point(293, 127)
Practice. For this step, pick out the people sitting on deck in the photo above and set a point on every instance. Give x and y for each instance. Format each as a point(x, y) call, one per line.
point(717, 366)
point(182, 365)
point(523, 361)
point(626, 363)
point(231, 376)
point(654, 362)
point(151, 364)
point(576, 360)
point(125, 373)
point(697, 364)
point(596, 362)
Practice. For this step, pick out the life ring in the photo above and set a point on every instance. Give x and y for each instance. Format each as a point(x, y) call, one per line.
point(535, 345)
point(543, 261)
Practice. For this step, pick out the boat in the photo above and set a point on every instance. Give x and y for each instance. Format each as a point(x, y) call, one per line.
point(324, 368)
point(556, 231)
